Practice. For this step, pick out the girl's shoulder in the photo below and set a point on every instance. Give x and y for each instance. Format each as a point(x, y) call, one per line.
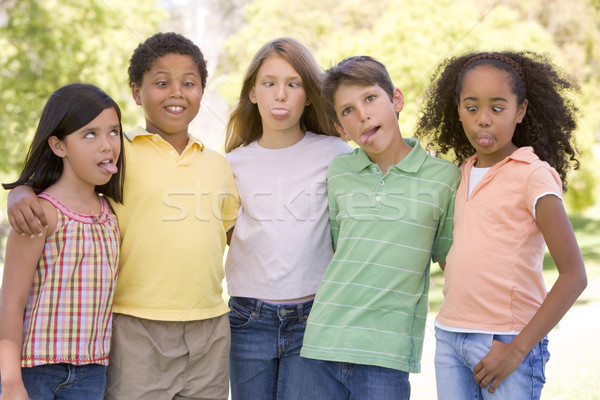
point(51, 212)
point(332, 143)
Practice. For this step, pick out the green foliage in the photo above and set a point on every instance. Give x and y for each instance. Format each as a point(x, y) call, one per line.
point(412, 36)
point(49, 43)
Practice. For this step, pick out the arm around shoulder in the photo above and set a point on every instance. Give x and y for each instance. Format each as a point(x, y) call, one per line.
point(25, 213)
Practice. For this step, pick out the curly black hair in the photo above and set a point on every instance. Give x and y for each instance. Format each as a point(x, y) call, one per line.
point(549, 121)
point(160, 45)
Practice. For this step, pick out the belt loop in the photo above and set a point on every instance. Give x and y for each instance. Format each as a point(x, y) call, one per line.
point(258, 306)
point(300, 308)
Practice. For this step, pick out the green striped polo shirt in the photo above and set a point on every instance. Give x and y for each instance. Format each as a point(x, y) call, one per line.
point(371, 305)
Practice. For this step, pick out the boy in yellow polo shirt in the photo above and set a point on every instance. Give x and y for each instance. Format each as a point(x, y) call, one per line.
point(170, 328)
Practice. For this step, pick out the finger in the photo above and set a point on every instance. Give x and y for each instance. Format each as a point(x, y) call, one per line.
point(40, 214)
point(14, 225)
point(494, 384)
point(30, 224)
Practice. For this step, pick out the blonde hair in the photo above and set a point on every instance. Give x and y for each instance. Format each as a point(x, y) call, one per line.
point(245, 123)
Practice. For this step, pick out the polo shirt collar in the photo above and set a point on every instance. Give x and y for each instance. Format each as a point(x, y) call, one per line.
point(410, 163)
point(522, 154)
point(138, 131)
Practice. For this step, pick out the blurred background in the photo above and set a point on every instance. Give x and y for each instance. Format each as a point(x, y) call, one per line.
point(49, 43)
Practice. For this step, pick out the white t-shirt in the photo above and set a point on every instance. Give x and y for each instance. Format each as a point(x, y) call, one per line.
point(281, 244)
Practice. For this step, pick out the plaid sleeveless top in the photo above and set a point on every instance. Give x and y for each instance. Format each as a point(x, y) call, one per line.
point(68, 316)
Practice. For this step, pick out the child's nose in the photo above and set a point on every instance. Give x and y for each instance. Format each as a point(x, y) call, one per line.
point(362, 113)
point(280, 94)
point(484, 119)
point(176, 90)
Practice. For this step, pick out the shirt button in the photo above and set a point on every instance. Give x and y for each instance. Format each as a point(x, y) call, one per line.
point(374, 169)
point(381, 182)
point(171, 152)
point(154, 139)
point(378, 198)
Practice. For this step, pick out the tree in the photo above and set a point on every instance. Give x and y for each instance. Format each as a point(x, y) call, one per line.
point(412, 36)
point(49, 43)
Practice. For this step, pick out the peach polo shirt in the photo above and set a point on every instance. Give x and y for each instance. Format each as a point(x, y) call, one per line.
point(493, 276)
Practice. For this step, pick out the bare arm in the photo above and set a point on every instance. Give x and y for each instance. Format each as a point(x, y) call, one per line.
point(25, 214)
point(502, 358)
point(22, 255)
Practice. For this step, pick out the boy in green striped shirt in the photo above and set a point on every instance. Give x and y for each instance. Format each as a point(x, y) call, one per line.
point(391, 207)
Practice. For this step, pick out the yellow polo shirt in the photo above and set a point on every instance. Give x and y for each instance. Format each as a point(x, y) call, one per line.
point(177, 209)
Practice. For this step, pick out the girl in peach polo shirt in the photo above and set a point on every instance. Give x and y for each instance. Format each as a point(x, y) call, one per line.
point(505, 118)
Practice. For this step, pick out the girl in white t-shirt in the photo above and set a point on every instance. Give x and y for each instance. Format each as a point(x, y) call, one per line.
point(279, 143)
point(507, 121)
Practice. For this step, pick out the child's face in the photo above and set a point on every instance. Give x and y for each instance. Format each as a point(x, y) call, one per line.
point(368, 117)
point(489, 113)
point(90, 154)
point(170, 93)
point(280, 96)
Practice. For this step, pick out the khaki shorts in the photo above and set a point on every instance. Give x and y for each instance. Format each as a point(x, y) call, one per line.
point(160, 360)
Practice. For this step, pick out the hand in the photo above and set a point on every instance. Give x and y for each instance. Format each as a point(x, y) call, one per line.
point(25, 213)
point(18, 392)
point(500, 362)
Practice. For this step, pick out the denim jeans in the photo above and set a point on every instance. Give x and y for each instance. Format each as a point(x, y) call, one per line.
point(265, 358)
point(65, 381)
point(332, 380)
point(457, 354)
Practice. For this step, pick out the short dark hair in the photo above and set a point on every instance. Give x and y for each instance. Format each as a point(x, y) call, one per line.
point(68, 109)
point(160, 45)
point(357, 70)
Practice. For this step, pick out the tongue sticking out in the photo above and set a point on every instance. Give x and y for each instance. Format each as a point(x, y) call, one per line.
point(484, 141)
point(109, 167)
point(367, 136)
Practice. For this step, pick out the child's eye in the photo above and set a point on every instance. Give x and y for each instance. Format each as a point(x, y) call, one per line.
point(90, 135)
point(346, 111)
point(295, 84)
point(115, 132)
point(497, 109)
point(161, 83)
point(268, 84)
point(188, 84)
point(370, 98)
point(471, 108)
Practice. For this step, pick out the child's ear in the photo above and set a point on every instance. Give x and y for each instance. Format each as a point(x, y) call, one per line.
point(252, 96)
point(521, 110)
point(342, 132)
point(57, 146)
point(398, 100)
point(135, 92)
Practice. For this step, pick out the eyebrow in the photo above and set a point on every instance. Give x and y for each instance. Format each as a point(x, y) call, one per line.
point(367, 92)
point(169, 72)
point(473, 98)
point(97, 128)
point(271, 76)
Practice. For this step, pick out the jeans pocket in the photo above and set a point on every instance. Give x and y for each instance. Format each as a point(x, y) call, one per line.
point(544, 357)
point(240, 317)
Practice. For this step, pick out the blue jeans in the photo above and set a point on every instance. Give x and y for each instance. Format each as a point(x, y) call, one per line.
point(329, 380)
point(457, 354)
point(265, 358)
point(65, 381)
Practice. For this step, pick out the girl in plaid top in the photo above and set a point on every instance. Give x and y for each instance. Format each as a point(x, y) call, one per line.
point(57, 289)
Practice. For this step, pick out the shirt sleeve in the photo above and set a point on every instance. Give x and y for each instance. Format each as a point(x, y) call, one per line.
point(230, 203)
point(333, 212)
point(444, 237)
point(541, 182)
